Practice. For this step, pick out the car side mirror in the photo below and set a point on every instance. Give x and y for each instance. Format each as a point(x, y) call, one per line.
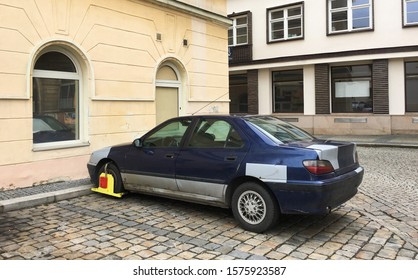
point(138, 143)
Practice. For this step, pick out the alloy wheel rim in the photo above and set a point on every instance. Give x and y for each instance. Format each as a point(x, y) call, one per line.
point(251, 207)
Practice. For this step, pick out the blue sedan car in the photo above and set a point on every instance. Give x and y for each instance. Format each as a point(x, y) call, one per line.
point(259, 166)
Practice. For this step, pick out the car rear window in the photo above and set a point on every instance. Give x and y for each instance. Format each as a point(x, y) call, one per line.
point(278, 130)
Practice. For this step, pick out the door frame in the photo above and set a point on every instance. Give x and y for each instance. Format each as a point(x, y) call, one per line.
point(171, 84)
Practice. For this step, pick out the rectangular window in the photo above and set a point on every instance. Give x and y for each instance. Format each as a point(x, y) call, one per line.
point(411, 86)
point(55, 110)
point(238, 32)
point(352, 89)
point(349, 15)
point(288, 91)
point(285, 23)
point(410, 9)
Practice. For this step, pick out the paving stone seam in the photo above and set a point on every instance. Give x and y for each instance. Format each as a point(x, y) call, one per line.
point(401, 233)
point(399, 208)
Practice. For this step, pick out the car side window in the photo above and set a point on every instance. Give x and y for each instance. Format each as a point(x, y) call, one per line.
point(170, 135)
point(214, 133)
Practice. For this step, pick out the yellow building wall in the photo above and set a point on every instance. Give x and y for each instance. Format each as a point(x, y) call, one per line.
point(119, 53)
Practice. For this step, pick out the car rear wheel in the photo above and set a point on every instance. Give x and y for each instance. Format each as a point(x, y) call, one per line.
point(254, 207)
point(114, 171)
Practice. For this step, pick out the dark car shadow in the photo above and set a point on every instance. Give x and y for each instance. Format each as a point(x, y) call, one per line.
point(209, 217)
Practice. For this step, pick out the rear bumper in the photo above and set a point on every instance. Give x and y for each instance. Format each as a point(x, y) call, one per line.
point(317, 197)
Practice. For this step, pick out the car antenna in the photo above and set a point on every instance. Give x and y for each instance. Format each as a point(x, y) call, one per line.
point(210, 103)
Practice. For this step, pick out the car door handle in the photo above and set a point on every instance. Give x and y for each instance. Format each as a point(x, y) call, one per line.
point(231, 158)
point(169, 155)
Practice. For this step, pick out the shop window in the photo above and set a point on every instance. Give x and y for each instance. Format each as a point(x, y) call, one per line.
point(56, 95)
point(411, 86)
point(352, 89)
point(238, 93)
point(288, 91)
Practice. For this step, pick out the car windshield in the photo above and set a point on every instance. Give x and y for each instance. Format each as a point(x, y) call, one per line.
point(278, 130)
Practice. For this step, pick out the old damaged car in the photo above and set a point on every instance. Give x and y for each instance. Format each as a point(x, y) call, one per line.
point(259, 166)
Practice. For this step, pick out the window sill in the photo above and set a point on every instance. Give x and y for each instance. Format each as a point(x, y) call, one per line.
point(354, 31)
point(290, 39)
point(58, 146)
point(407, 25)
point(238, 45)
point(351, 114)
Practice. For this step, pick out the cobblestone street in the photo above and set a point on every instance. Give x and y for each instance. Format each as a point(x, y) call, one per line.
point(380, 222)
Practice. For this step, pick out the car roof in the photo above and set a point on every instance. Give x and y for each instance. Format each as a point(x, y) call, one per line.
point(228, 116)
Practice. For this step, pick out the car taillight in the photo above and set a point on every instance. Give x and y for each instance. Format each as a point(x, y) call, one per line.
point(318, 167)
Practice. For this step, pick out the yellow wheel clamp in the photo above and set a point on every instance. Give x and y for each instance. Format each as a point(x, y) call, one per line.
point(107, 184)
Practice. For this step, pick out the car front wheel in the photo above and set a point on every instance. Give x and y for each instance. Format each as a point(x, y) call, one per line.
point(254, 207)
point(114, 171)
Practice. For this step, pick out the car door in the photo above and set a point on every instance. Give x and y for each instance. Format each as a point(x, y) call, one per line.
point(210, 158)
point(152, 160)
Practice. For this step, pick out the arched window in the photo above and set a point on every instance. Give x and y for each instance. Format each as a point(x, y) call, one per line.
point(56, 99)
point(166, 73)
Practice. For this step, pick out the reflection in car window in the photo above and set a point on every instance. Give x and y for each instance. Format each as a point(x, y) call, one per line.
point(214, 133)
point(48, 129)
point(169, 135)
point(279, 130)
point(40, 125)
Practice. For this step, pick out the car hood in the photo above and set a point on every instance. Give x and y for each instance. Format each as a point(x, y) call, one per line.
point(99, 154)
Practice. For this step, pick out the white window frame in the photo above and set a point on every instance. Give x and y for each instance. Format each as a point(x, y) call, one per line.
point(349, 10)
point(46, 74)
point(234, 27)
point(405, 13)
point(286, 18)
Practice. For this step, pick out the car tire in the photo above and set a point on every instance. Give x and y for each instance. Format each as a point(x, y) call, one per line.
point(254, 207)
point(114, 171)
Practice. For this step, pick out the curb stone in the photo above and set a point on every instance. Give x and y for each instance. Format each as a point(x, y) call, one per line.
point(43, 198)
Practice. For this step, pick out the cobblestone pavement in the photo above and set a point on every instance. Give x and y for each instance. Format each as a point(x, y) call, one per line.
point(380, 222)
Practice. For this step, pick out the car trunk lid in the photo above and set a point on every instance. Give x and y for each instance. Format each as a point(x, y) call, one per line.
point(342, 155)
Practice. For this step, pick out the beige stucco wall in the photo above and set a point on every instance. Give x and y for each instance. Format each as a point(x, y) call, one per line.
point(116, 49)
